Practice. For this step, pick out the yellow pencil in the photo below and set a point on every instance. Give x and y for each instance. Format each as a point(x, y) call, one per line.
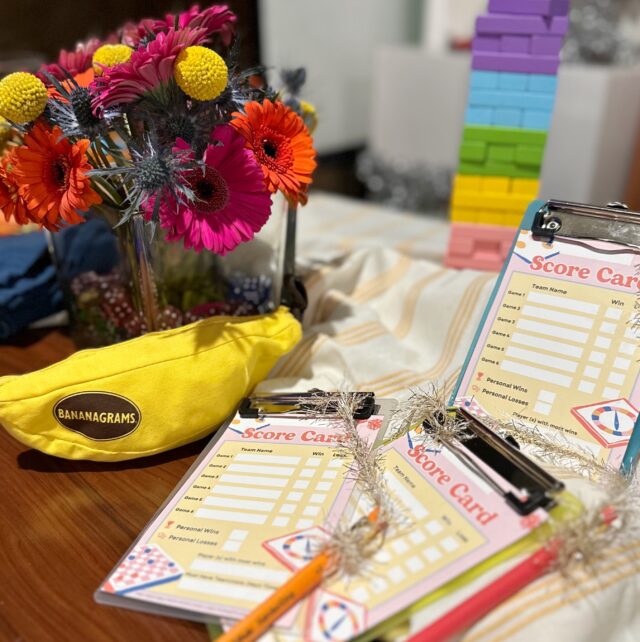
point(295, 589)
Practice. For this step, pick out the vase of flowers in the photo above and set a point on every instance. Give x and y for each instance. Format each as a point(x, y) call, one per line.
point(195, 167)
point(140, 282)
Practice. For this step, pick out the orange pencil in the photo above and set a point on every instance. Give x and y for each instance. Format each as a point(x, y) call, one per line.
point(297, 587)
point(294, 590)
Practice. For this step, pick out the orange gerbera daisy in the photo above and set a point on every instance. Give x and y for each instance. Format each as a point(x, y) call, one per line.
point(12, 205)
point(52, 174)
point(281, 144)
point(83, 79)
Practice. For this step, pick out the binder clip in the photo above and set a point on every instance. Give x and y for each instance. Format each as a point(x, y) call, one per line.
point(298, 405)
point(569, 222)
point(481, 448)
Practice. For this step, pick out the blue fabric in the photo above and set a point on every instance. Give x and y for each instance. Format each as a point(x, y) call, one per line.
point(90, 247)
point(29, 286)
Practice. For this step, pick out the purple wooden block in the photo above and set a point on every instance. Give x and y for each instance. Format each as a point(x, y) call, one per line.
point(515, 44)
point(505, 23)
point(539, 7)
point(518, 63)
point(486, 43)
point(546, 45)
point(559, 25)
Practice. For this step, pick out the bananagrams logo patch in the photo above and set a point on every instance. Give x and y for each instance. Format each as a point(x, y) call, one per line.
point(100, 416)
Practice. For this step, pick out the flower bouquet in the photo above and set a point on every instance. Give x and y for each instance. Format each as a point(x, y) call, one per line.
point(157, 134)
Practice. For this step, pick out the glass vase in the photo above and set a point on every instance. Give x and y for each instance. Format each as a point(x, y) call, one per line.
point(121, 281)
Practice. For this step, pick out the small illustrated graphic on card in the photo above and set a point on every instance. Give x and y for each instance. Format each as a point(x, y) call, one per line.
point(610, 422)
point(470, 404)
point(334, 618)
point(146, 565)
point(296, 550)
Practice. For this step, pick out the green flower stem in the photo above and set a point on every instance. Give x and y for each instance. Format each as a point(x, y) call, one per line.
point(144, 273)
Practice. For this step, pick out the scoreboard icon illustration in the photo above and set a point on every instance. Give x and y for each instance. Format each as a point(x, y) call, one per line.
point(334, 618)
point(610, 422)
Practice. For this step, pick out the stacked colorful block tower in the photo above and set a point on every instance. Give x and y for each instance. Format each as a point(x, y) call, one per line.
point(516, 55)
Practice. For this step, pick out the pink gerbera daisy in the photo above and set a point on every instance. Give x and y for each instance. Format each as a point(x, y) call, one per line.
point(231, 202)
point(147, 68)
point(71, 62)
point(217, 19)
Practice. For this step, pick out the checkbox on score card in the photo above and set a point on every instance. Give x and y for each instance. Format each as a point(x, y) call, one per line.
point(586, 386)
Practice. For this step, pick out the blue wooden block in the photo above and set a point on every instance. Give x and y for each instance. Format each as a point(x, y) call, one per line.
point(540, 120)
point(543, 83)
point(503, 117)
point(504, 98)
point(478, 116)
point(484, 79)
point(508, 80)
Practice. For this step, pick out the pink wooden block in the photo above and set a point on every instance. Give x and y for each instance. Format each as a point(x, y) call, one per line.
point(479, 247)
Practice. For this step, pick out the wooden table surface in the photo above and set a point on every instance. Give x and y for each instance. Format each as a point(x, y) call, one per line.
point(65, 524)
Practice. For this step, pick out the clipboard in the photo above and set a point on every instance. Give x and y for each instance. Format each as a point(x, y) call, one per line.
point(518, 471)
point(486, 466)
point(557, 344)
point(473, 501)
point(283, 419)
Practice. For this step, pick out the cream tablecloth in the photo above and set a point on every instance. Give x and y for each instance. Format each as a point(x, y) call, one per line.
point(384, 315)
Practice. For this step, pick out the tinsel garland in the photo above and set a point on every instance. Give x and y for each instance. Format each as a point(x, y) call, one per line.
point(597, 35)
point(353, 545)
point(403, 185)
point(611, 522)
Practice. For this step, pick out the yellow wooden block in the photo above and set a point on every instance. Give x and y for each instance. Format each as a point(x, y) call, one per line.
point(492, 218)
point(467, 183)
point(526, 186)
point(488, 217)
point(501, 184)
point(513, 220)
point(463, 215)
point(491, 202)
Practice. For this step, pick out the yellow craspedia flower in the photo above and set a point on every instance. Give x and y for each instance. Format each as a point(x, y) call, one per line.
point(23, 97)
point(110, 55)
point(201, 73)
point(309, 115)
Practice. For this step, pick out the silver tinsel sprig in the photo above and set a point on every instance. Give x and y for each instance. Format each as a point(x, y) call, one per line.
point(597, 35)
point(611, 525)
point(428, 407)
point(559, 452)
point(353, 545)
point(400, 184)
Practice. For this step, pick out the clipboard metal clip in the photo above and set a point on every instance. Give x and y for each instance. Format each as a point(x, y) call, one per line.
point(481, 449)
point(298, 405)
point(615, 223)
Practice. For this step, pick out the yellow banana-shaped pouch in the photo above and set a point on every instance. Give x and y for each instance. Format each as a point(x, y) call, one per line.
point(147, 395)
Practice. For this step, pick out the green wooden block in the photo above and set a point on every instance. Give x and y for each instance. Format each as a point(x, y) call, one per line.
point(529, 155)
point(498, 169)
point(473, 151)
point(505, 135)
point(501, 153)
